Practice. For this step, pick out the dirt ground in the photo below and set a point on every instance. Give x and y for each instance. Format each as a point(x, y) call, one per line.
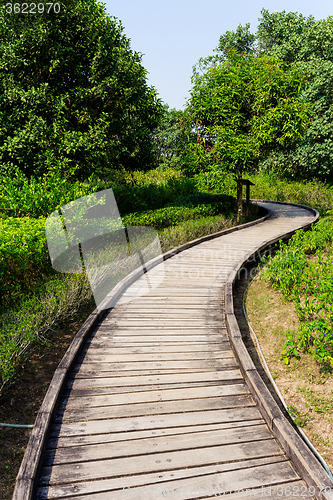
point(21, 401)
point(304, 385)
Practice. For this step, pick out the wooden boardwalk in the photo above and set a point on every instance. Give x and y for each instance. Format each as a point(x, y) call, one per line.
point(160, 403)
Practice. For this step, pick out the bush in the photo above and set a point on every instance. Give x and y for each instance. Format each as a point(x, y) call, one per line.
point(151, 194)
point(175, 236)
point(309, 284)
point(26, 325)
point(313, 193)
point(23, 197)
point(23, 256)
point(182, 209)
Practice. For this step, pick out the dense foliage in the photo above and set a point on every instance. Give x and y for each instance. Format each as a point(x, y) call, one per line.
point(36, 197)
point(190, 208)
point(241, 110)
point(23, 256)
point(169, 138)
point(308, 282)
point(305, 44)
point(73, 95)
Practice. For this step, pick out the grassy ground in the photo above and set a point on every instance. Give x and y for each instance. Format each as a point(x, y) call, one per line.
point(305, 387)
point(21, 401)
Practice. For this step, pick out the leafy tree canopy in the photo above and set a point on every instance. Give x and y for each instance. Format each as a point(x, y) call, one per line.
point(73, 95)
point(169, 137)
point(309, 44)
point(244, 108)
point(240, 41)
point(306, 44)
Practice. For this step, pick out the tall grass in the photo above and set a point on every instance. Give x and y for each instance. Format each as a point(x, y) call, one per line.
point(26, 324)
point(271, 187)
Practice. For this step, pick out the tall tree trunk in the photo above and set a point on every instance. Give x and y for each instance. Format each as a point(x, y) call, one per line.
point(239, 199)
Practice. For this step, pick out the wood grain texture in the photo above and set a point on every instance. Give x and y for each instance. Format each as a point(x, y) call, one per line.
point(158, 395)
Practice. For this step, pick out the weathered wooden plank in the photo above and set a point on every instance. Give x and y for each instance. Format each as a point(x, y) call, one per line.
point(158, 379)
point(165, 310)
point(161, 395)
point(59, 474)
point(139, 373)
point(98, 368)
point(132, 388)
point(182, 350)
point(121, 484)
point(154, 445)
point(164, 330)
point(112, 437)
point(156, 343)
point(217, 485)
point(177, 338)
point(175, 325)
point(157, 408)
point(96, 355)
point(157, 421)
point(190, 301)
point(176, 322)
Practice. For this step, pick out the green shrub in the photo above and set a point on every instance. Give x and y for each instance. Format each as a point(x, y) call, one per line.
point(313, 193)
point(23, 197)
point(26, 325)
point(139, 198)
point(183, 209)
point(189, 230)
point(309, 284)
point(23, 256)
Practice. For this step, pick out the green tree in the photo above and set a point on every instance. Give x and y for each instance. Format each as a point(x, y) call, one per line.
point(242, 109)
point(73, 95)
point(241, 41)
point(169, 137)
point(307, 44)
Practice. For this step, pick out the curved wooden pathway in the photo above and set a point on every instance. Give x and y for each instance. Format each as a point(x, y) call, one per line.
point(163, 401)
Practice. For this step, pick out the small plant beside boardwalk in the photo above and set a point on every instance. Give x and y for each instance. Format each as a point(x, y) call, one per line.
point(290, 307)
point(303, 271)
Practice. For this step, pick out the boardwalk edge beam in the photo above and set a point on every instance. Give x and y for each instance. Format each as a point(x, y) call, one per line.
point(294, 446)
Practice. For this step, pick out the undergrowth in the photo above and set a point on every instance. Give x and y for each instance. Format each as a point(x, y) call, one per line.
point(26, 324)
point(303, 271)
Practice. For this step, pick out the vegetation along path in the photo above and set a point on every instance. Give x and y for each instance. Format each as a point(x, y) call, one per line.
point(158, 396)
